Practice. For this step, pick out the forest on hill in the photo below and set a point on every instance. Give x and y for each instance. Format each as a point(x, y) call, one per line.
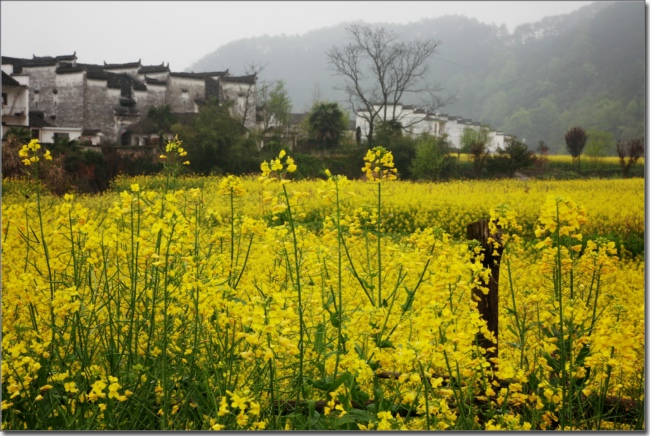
point(585, 68)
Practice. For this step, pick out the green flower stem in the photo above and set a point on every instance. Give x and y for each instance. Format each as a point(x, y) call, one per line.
point(301, 344)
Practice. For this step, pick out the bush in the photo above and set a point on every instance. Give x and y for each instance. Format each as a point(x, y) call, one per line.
point(432, 159)
point(309, 166)
point(515, 156)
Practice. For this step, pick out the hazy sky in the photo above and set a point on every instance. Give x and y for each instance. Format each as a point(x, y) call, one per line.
point(181, 33)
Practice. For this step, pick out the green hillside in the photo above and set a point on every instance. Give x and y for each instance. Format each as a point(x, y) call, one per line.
point(585, 68)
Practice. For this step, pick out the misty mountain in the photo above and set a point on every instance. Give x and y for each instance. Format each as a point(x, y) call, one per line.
point(585, 68)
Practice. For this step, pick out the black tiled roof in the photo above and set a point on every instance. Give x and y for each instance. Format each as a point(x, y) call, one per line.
point(187, 75)
point(240, 79)
point(71, 57)
point(127, 65)
point(67, 70)
point(147, 69)
point(40, 61)
point(214, 73)
point(94, 71)
point(90, 132)
point(7, 80)
point(96, 74)
point(11, 60)
point(19, 63)
point(16, 62)
point(200, 75)
point(89, 67)
point(152, 81)
point(36, 61)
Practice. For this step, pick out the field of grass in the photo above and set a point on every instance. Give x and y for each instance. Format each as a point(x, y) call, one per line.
point(260, 303)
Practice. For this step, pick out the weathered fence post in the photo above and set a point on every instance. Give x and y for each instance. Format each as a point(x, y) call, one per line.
point(488, 305)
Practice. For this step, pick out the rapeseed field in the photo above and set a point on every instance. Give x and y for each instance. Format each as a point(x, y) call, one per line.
point(229, 303)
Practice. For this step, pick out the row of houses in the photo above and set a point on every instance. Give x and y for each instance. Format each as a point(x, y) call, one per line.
point(416, 121)
point(56, 96)
point(61, 97)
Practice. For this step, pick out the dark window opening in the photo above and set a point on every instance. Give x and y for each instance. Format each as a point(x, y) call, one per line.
point(34, 133)
point(4, 98)
point(58, 135)
point(126, 138)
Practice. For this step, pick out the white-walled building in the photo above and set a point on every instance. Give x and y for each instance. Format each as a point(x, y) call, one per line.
point(418, 121)
point(102, 102)
point(15, 100)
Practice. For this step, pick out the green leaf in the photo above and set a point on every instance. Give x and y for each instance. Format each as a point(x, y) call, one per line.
point(321, 385)
point(326, 384)
point(379, 393)
point(313, 422)
point(359, 396)
point(311, 407)
point(335, 319)
point(344, 420)
point(362, 415)
point(319, 342)
point(385, 344)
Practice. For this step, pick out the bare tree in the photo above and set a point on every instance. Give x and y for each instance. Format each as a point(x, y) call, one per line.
point(379, 69)
point(633, 150)
point(248, 90)
point(274, 100)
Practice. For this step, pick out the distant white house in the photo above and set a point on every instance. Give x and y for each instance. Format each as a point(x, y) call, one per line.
point(418, 121)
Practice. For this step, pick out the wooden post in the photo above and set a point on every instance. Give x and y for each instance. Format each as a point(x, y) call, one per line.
point(488, 305)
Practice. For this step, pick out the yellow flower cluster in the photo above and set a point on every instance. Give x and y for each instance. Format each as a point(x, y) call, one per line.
point(275, 166)
point(232, 185)
point(379, 165)
point(29, 153)
point(173, 148)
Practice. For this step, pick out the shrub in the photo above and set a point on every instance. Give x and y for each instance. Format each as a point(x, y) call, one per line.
point(515, 156)
point(432, 159)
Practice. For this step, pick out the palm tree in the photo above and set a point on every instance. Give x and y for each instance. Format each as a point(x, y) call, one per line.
point(327, 123)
